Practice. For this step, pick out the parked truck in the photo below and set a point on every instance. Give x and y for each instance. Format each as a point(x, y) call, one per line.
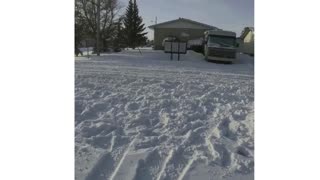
point(220, 45)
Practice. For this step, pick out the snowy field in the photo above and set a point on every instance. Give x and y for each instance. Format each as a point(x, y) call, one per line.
point(145, 117)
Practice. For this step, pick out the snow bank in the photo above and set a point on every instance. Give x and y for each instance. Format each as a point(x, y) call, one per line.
point(195, 42)
point(145, 117)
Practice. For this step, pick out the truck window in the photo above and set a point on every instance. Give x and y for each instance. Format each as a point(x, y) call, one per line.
point(222, 41)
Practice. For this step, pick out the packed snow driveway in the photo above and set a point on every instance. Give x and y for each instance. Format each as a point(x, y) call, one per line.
point(144, 117)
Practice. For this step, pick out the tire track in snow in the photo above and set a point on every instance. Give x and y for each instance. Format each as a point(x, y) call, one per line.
point(187, 167)
point(209, 143)
point(165, 164)
point(121, 160)
point(210, 147)
point(112, 142)
point(105, 164)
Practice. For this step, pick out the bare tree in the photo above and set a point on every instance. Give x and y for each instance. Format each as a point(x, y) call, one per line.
point(101, 25)
point(98, 27)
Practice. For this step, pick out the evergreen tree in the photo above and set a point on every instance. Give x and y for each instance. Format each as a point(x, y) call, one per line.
point(134, 26)
point(119, 40)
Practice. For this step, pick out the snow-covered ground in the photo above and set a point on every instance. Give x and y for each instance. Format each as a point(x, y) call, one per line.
point(145, 117)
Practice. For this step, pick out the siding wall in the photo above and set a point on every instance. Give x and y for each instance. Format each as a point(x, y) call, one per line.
point(161, 33)
point(248, 44)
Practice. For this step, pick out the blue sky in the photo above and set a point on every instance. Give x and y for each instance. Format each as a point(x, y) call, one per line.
point(231, 15)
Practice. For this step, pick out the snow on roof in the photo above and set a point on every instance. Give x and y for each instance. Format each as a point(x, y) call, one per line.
point(185, 20)
point(195, 42)
point(220, 33)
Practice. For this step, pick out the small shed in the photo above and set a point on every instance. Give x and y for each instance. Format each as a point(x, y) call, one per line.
point(183, 29)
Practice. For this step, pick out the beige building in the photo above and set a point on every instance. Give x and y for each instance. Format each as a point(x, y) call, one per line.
point(184, 29)
point(246, 41)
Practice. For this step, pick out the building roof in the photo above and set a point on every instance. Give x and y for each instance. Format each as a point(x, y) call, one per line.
point(202, 25)
point(220, 33)
point(245, 31)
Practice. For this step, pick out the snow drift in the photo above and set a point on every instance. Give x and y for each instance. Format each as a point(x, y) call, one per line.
point(144, 117)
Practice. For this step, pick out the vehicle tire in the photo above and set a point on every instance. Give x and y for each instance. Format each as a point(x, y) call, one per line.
point(205, 55)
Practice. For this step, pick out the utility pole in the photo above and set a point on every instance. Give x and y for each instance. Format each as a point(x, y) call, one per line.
point(98, 27)
point(154, 21)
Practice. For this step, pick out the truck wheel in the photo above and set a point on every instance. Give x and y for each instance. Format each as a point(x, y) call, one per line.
point(206, 56)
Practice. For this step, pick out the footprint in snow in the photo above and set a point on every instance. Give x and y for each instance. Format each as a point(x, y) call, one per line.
point(132, 106)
